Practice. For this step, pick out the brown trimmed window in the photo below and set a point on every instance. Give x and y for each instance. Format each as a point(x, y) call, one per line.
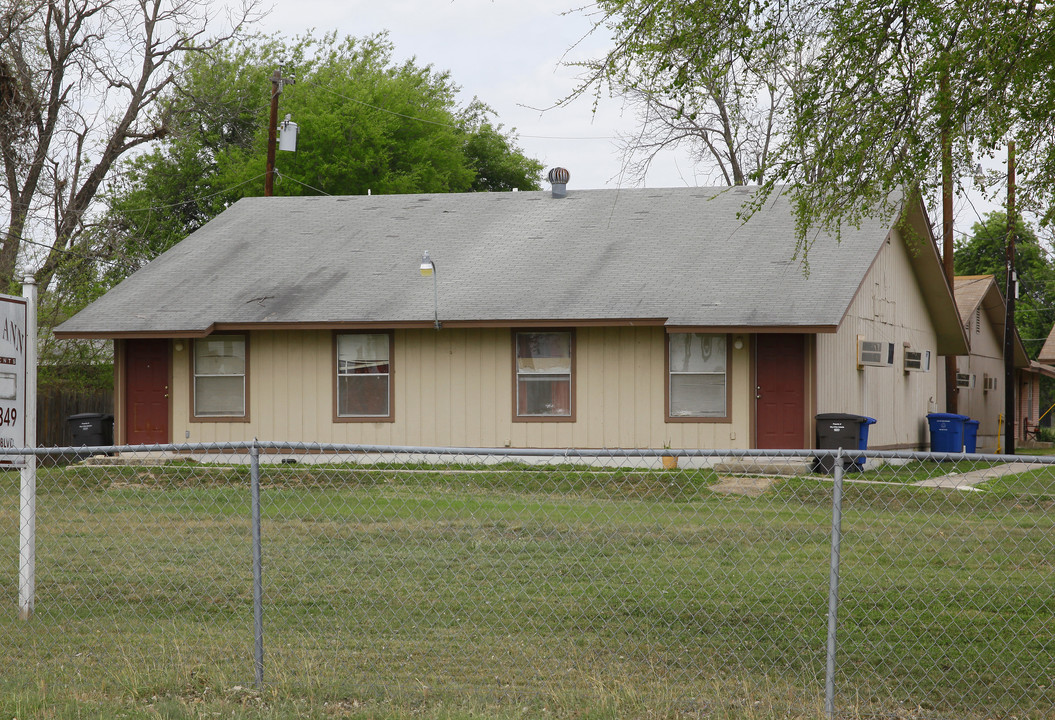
point(219, 376)
point(364, 375)
point(544, 374)
point(698, 375)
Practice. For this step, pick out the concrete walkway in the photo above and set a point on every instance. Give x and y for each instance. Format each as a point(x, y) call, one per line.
point(968, 480)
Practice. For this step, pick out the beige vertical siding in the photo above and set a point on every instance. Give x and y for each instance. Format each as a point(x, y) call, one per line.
point(889, 307)
point(986, 358)
point(455, 388)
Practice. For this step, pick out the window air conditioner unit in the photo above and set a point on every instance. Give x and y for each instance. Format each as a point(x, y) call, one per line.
point(989, 382)
point(877, 354)
point(918, 360)
point(965, 380)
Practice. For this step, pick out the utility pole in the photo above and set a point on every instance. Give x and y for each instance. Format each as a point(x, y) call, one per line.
point(1010, 409)
point(277, 81)
point(951, 396)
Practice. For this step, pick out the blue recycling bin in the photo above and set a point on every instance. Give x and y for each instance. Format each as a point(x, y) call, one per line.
point(946, 432)
point(970, 436)
point(862, 444)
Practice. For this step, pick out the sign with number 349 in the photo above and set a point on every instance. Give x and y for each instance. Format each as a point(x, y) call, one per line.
point(12, 376)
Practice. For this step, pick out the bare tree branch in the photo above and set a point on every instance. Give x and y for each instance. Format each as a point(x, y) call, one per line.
point(81, 82)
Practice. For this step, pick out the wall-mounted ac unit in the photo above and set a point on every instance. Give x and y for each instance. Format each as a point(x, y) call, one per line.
point(876, 354)
point(965, 380)
point(988, 382)
point(918, 360)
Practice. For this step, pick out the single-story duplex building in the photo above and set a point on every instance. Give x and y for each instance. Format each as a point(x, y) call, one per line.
point(633, 318)
point(981, 373)
point(1033, 412)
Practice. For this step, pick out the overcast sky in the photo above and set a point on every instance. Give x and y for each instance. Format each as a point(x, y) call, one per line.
point(512, 54)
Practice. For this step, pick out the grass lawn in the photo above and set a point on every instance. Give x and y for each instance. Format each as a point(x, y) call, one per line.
point(526, 592)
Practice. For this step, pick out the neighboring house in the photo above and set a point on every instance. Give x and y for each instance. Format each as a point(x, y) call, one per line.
point(1033, 412)
point(1047, 352)
point(606, 318)
point(981, 373)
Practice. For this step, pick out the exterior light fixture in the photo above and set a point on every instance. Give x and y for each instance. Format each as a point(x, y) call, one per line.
point(429, 268)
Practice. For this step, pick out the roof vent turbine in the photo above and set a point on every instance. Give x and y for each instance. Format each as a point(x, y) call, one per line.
point(558, 177)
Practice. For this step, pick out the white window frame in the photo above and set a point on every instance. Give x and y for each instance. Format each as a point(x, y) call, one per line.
point(354, 417)
point(716, 416)
point(568, 377)
point(243, 414)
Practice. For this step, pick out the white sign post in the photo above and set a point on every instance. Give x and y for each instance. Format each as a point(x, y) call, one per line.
point(18, 423)
point(12, 376)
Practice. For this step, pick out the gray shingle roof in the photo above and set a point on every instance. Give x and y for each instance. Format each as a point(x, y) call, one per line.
point(676, 255)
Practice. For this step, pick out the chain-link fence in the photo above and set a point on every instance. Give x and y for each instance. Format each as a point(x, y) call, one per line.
point(697, 584)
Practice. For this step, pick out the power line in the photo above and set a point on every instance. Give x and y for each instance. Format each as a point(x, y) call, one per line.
point(195, 199)
point(72, 253)
point(446, 124)
point(310, 187)
point(198, 198)
point(114, 264)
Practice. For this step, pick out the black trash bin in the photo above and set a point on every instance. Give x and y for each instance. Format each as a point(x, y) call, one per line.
point(839, 430)
point(91, 429)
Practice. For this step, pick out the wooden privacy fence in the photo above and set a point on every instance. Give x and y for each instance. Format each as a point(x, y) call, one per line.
point(55, 405)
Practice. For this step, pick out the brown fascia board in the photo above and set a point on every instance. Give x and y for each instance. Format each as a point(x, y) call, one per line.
point(755, 329)
point(534, 323)
point(450, 325)
point(132, 335)
point(1040, 369)
point(355, 325)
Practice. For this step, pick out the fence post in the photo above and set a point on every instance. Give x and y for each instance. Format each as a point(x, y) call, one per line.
point(258, 571)
point(833, 587)
point(27, 515)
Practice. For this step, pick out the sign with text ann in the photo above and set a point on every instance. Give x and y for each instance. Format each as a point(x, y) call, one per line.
point(12, 377)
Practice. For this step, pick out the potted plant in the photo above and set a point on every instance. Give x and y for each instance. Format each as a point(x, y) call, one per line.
point(670, 462)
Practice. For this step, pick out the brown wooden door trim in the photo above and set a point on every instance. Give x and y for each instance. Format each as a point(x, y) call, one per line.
point(780, 392)
point(147, 392)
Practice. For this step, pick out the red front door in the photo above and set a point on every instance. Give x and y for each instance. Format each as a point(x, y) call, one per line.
point(780, 391)
point(146, 392)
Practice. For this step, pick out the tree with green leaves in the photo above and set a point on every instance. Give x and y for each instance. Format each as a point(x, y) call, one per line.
point(872, 87)
point(366, 124)
point(983, 253)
